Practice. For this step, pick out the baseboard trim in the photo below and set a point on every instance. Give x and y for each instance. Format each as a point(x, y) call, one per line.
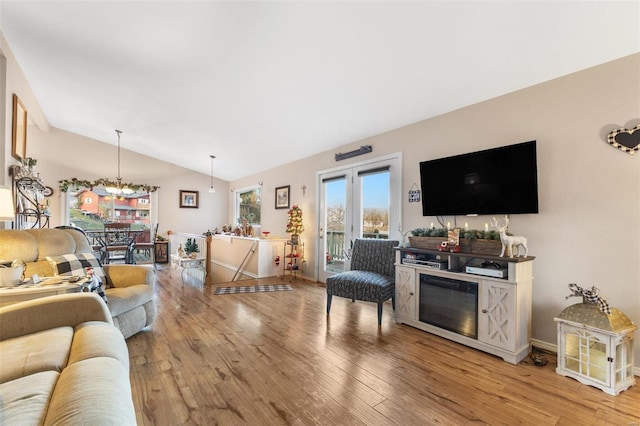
point(550, 347)
point(546, 346)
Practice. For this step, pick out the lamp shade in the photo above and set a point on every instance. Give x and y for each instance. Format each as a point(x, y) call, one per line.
point(7, 211)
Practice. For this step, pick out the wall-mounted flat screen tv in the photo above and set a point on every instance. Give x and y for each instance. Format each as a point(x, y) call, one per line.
point(501, 180)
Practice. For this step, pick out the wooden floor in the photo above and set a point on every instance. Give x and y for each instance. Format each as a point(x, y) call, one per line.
point(277, 359)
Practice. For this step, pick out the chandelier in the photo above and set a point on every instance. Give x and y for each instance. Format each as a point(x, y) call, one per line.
point(118, 188)
point(212, 189)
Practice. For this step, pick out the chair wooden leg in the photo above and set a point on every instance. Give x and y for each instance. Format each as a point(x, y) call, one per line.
point(379, 314)
point(393, 303)
point(329, 296)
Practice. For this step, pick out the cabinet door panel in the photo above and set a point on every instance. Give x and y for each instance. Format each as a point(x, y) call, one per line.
point(497, 319)
point(406, 293)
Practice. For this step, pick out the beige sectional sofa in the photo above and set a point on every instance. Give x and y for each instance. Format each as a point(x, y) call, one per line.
point(129, 288)
point(63, 363)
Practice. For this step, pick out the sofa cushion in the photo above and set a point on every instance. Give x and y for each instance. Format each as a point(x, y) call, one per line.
point(98, 339)
point(33, 353)
point(126, 298)
point(82, 389)
point(52, 243)
point(17, 244)
point(25, 400)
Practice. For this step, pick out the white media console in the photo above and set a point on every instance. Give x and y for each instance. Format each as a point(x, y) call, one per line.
point(483, 312)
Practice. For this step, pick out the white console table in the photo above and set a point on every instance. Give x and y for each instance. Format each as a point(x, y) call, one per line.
point(503, 305)
point(188, 266)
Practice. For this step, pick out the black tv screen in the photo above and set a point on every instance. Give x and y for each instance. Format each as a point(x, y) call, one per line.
point(494, 181)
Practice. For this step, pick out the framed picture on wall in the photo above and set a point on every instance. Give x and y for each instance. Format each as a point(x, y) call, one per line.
point(188, 199)
point(19, 130)
point(282, 197)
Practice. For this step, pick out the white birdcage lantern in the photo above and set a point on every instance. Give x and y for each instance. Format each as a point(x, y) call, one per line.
point(595, 343)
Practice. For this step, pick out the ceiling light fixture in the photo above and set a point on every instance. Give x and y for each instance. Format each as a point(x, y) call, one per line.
point(212, 189)
point(118, 188)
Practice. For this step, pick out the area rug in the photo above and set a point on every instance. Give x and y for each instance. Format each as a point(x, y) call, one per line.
point(252, 289)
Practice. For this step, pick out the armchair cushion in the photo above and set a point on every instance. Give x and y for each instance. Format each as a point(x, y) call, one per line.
point(120, 275)
point(127, 298)
point(362, 285)
point(33, 353)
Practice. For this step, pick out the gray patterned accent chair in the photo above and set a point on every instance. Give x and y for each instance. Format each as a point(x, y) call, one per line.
point(372, 274)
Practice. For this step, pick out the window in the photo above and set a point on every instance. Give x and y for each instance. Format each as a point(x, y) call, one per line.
point(247, 204)
point(87, 200)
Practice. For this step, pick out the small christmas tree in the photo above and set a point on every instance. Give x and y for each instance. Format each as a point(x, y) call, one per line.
point(191, 246)
point(294, 224)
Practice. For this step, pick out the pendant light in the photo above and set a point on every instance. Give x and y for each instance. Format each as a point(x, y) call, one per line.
point(212, 189)
point(118, 188)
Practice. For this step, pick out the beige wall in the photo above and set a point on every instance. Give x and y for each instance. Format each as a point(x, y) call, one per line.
point(588, 228)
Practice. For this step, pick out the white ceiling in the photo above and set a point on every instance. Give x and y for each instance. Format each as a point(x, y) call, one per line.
point(259, 84)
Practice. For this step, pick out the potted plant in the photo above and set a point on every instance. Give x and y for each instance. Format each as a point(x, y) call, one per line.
point(191, 248)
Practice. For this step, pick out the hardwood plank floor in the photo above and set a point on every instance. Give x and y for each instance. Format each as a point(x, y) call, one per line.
point(277, 359)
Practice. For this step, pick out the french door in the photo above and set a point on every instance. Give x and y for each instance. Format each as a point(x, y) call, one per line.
point(358, 201)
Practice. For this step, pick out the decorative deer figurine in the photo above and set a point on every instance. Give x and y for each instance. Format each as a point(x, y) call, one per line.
point(508, 240)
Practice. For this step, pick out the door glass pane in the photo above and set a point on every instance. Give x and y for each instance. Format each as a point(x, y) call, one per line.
point(375, 205)
point(335, 224)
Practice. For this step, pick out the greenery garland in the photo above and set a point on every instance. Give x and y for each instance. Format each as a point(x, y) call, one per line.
point(65, 184)
point(471, 234)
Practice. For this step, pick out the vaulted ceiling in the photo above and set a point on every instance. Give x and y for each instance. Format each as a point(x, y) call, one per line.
point(259, 84)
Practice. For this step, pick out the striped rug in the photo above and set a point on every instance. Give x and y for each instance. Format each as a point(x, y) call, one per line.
point(252, 289)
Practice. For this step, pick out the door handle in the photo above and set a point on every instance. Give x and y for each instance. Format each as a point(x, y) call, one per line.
point(321, 234)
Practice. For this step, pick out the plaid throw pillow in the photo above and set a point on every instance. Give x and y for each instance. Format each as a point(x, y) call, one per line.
point(75, 264)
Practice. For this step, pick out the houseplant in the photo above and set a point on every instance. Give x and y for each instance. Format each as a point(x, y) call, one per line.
point(191, 248)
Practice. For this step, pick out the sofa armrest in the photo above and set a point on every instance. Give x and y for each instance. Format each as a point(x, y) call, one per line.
point(50, 312)
point(120, 276)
